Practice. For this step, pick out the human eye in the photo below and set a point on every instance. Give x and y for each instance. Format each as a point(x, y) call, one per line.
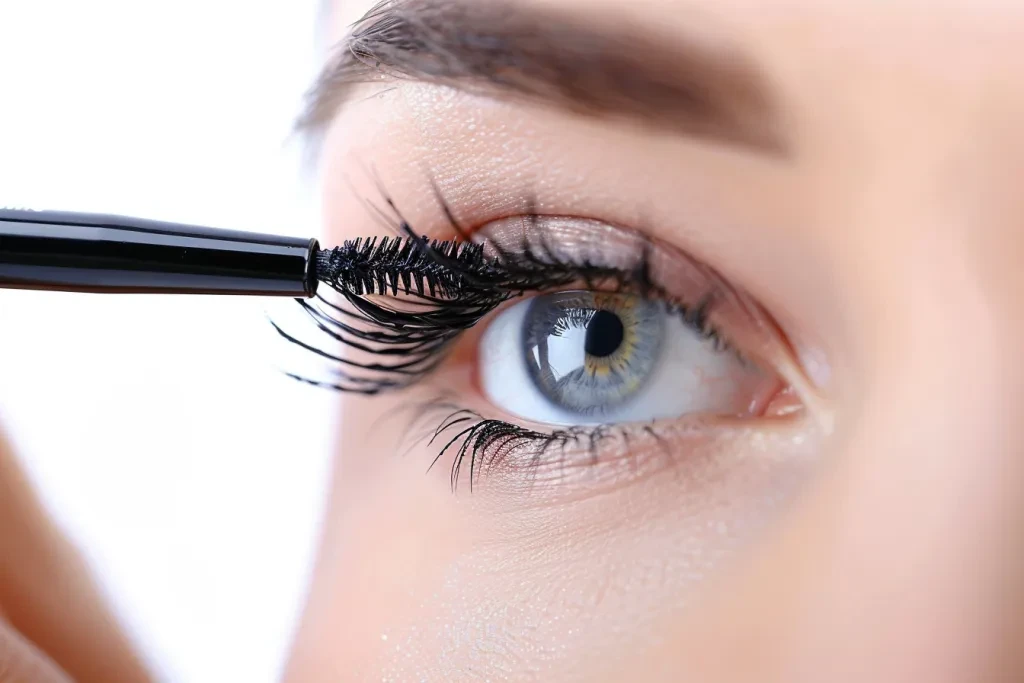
point(657, 343)
point(584, 357)
point(533, 345)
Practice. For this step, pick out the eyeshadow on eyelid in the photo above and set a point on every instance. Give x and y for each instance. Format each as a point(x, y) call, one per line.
point(567, 235)
point(587, 240)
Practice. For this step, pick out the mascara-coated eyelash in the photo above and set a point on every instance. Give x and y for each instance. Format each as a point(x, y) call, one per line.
point(398, 303)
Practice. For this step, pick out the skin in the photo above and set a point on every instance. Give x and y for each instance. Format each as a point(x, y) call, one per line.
point(887, 245)
point(54, 625)
point(873, 537)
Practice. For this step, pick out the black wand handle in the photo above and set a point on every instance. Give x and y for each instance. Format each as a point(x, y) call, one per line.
point(77, 252)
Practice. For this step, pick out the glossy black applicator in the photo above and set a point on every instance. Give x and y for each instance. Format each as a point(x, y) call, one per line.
point(81, 252)
point(59, 251)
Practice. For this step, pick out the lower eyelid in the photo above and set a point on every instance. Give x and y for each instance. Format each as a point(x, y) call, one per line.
point(601, 463)
point(591, 460)
point(630, 454)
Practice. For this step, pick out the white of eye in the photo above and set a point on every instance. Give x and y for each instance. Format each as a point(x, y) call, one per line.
point(690, 375)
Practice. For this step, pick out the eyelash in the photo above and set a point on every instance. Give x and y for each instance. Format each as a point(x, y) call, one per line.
point(433, 291)
point(409, 299)
point(488, 442)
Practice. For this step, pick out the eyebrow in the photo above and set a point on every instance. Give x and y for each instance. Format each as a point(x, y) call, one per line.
point(610, 68)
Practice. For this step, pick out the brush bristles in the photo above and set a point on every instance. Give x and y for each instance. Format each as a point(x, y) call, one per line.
point(393, 265)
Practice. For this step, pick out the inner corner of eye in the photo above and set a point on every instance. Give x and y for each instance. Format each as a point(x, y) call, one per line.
point(587, 358)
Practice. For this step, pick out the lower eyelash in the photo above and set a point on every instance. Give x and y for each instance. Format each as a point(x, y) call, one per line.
point(483, 443)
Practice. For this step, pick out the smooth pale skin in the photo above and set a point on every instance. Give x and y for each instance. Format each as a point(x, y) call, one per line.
point(890, 243)
point(889, 247)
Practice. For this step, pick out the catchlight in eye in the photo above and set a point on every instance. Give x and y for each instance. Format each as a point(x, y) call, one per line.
point(581, 357)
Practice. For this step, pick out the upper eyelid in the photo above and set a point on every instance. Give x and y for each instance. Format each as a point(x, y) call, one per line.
point(403, 340)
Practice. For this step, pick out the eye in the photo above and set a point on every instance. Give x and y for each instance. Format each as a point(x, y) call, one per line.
point(580, 357)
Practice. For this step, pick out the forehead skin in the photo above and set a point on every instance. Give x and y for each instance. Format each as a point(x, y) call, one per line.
point(893, 234)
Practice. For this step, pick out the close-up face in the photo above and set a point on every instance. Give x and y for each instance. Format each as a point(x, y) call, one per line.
point(726, 387)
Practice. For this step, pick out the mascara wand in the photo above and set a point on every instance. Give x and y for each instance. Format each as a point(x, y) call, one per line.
point(450, 285)
point(78, 252)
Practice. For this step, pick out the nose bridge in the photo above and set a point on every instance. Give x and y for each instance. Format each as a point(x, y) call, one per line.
point(941, 233)
point(929, 247)
point(927, 492)
point(925, 504)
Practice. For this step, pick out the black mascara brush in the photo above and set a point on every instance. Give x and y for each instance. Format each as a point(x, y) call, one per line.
point(77, 252)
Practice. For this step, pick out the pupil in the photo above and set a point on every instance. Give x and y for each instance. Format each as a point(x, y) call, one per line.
point(604, 334)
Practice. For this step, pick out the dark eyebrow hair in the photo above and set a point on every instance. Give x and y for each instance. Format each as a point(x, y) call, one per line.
point(588, 66)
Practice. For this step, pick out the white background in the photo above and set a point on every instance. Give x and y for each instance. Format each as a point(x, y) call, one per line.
point(159, 431)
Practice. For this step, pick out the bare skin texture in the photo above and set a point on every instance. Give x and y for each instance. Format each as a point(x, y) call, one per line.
point(884, 234)
point(871, 202)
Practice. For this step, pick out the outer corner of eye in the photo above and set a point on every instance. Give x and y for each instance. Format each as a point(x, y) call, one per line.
point(584, 357)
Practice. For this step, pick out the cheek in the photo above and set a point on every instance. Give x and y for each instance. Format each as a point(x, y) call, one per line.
point(387, 542)
point(418, 583)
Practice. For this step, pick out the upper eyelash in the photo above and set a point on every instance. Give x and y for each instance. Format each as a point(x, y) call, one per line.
point(447, 287)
